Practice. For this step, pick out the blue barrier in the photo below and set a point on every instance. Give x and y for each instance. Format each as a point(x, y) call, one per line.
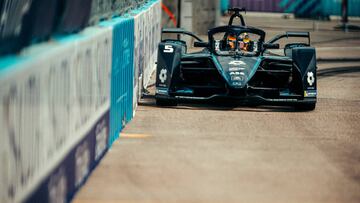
point(224, 5)
point(122, 74)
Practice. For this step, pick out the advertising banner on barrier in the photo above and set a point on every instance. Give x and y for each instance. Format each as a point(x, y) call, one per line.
point(52, 101)
point(122, 74)
point(147, 23)
point(138, 57)
point(55, 99)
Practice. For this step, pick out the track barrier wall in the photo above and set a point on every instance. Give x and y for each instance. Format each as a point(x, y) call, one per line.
point(64, 102)
point(122, 72)
point(145, 49)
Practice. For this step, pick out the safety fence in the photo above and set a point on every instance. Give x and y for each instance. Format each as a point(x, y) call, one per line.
point(301, 8)
point(24, 22)
point(64, 102)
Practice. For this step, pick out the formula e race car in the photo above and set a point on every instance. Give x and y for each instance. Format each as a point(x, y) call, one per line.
point(236, 63)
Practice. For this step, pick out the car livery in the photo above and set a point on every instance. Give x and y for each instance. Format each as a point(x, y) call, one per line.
point(236, 63)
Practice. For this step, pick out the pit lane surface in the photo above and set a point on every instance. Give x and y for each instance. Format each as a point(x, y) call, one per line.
point(201, 153)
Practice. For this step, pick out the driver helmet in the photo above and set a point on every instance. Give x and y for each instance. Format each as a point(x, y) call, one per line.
point(246, 38)
point(232, 41)
point(244, 42)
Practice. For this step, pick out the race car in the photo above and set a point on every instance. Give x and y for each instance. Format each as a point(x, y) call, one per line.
point(237, 64)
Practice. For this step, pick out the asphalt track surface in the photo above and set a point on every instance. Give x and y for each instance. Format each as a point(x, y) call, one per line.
point(207, 153)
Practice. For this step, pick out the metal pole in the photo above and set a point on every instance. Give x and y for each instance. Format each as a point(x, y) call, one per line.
point(179, 14)
point(344, 12)
point(179, 18)
point(344, 18)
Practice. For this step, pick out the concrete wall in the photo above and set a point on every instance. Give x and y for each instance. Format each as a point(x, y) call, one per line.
point(196, 15)
point(206, 15)
point(172, 5)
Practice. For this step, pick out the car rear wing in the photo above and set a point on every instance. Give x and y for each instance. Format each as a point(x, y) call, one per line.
point(179, 31)
point(291, 34)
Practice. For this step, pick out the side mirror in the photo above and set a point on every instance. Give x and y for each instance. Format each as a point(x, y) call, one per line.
point(271, 46)
point(201, 44)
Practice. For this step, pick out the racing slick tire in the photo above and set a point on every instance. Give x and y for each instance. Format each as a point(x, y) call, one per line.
point(165, 102)
point(306, 106)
